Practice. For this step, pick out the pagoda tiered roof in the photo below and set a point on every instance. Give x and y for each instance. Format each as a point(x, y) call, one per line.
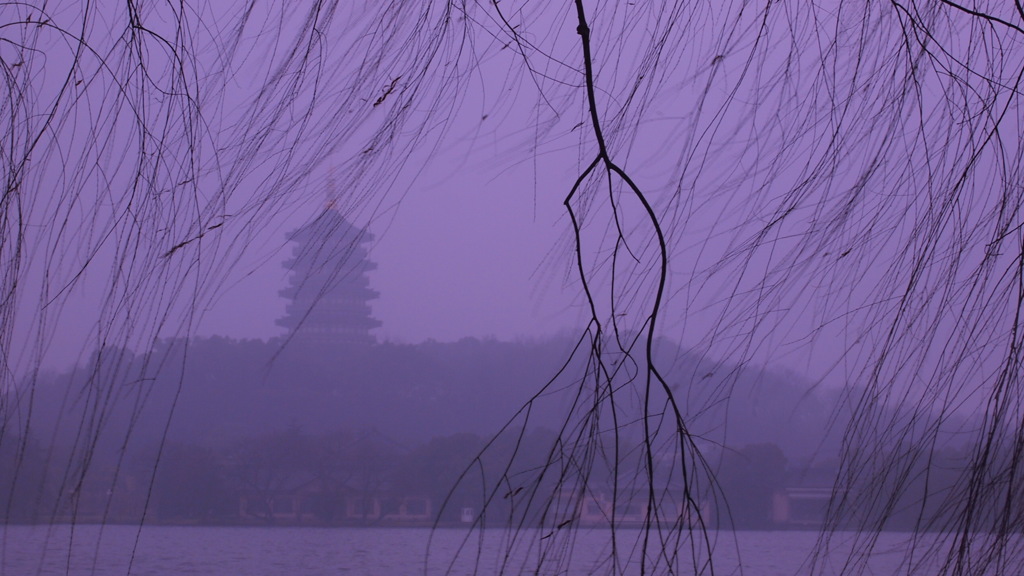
point(328, 287)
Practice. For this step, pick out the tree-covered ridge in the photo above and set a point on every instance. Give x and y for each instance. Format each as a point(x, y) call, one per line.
point(319, 428)
point(217, 390)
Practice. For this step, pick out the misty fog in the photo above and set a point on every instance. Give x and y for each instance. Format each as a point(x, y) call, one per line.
point(592, 287)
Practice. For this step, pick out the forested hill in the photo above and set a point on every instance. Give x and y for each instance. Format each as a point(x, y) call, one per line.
point(223, 390)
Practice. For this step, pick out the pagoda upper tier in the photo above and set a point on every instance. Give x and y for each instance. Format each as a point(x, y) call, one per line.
point(329, 289)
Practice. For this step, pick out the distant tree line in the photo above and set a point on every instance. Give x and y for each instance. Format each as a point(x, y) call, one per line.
point(195, 484)
point(198, 485)
point(263, 418)
point(215, 391)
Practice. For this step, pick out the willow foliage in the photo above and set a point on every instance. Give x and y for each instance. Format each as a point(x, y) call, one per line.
point(748, 174)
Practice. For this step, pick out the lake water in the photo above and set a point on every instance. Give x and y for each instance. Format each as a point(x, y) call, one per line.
point(218, 551)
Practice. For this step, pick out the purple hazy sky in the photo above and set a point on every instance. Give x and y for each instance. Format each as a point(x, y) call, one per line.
point(469, 253)
point(472, 236)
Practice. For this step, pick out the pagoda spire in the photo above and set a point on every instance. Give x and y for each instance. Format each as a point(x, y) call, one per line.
point(329, 291)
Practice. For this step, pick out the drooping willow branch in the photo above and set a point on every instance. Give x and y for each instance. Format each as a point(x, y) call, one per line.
point(627, 458)
point(847, 173)
point(652, 377)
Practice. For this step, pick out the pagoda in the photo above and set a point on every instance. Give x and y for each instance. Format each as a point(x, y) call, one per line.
point(329, 291)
